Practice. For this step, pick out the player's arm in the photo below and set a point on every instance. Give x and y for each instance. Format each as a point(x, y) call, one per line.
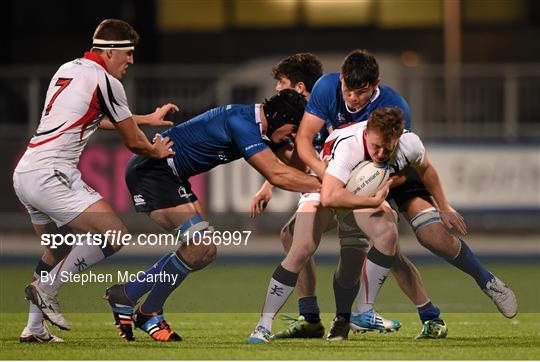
point(430, 178)
point(261, 199)
point(156, 118)
point(281, 175)
point(287, 154)
point(309, 126)
point(334, 194)
point(136, 140)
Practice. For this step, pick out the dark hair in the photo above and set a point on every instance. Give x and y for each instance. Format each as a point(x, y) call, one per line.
point(301, 67)
point(359, 70)
point(115, 29)
point(286, 107)
point(389, 121)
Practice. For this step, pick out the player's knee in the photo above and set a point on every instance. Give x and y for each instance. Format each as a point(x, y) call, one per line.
point(286, 237)
point(209, 255)
point(436, 239)
point(197, 256)
point(205, 256)
point(387, 239)
point(198, 247)
point(428, 218)
point(301, 255)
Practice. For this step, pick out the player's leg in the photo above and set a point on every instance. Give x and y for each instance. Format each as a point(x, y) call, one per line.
point(36, 330)
point(63, 197)
point(308, 324)
point(310, 223)
point(169, 201)
point(98, 218)
point(175, 267)
point(432, 234)
point(346, 280)
point(410, 282)
point(354, 246)
point(380, 226)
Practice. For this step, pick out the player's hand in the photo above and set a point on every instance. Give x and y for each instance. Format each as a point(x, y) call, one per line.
point(157, 119)
point(162, 147)
point(398, 180)
point(453, 220)
point(260, 200)
point(320, 168)
point(381, 195)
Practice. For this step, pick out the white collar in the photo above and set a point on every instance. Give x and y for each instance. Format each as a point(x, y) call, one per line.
point(259, 121)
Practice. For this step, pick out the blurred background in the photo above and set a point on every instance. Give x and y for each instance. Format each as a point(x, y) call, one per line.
point(469, 69)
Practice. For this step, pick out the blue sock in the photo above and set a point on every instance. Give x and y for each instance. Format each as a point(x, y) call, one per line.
point(469, 263)
point(161, 290)
point(136, 289)
point(429, 312)
point(309, 308)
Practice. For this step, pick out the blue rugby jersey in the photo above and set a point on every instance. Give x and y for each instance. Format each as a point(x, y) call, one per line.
point(218, 136)
point(326, 102)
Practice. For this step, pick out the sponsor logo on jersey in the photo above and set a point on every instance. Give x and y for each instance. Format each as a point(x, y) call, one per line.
point(253, 145)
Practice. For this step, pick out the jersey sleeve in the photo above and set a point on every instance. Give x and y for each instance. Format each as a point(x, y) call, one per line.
point(412, 148)
point(343, 159)
point(246, 136)
point(322, 99)
point(112, 98)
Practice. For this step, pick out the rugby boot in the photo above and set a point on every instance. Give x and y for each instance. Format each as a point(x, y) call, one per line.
point(371, 320)
point(433, 329)
point(503, 297)
point(48, 304)
point(155, 325)
point(300, 328)
point(123, 309)
point(45, 336)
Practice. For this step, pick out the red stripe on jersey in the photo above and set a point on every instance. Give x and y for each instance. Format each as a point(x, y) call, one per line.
point(32, 145)
point(327, 148)
point(95, 58)
point(93, 112)
point(366, 153)
point(345, 125)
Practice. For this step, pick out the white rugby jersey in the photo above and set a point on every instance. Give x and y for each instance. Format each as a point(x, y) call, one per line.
point(79, 95)
point(345, 149)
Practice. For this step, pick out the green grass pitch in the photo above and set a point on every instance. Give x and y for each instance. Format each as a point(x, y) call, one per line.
point(216, 309)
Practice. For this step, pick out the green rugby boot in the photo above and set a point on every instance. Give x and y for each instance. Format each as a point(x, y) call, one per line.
point(300, 328)
point(433, 329)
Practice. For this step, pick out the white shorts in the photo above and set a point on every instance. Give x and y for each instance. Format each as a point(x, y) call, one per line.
point(53, 195)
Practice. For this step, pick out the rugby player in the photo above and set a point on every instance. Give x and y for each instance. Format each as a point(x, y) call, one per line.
point(82, 94)
point(162, 190)
point(300, 72)
point(381, 139)
point(350, 96)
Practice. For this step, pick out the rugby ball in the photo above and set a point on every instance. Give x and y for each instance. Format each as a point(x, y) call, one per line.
point(367, 178)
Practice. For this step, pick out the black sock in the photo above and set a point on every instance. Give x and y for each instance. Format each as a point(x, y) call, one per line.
point(344, 299)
